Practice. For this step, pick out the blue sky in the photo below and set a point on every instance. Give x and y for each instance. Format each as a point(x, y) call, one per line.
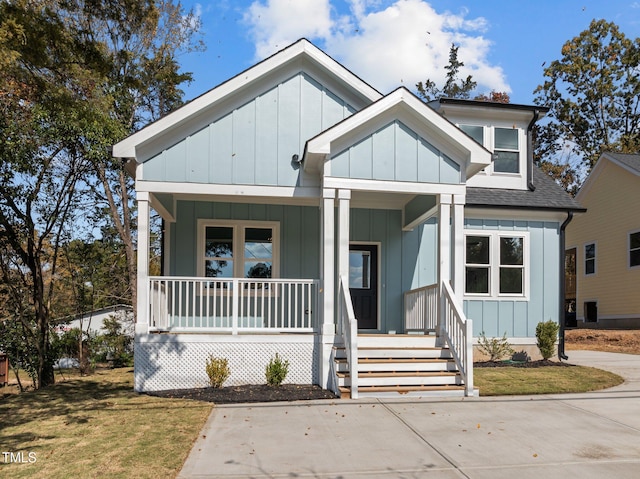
point(390, 43)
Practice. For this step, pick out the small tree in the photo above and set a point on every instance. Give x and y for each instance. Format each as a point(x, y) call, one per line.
point(547, 334)
point(276, 371)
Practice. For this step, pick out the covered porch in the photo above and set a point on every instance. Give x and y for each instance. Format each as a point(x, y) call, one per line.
point(316, 312)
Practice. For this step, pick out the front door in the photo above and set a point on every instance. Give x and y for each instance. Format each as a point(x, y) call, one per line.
point(363, 284)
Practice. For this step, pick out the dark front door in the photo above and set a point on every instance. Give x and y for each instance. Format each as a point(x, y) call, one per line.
point(363, 284)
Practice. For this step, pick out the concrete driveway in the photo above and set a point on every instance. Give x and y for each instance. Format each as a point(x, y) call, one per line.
point(582, 436)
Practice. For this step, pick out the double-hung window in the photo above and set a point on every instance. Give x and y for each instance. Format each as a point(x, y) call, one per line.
point(506, 150)
point(590, 258)
point(496, 264)
point(634, 249)
point(229, 249)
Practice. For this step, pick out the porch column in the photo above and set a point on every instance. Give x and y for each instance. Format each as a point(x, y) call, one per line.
point(327, 260)
point(458, 246)
point(344, 197)
point(444, 252)
point(142, 307)
point(327, 329)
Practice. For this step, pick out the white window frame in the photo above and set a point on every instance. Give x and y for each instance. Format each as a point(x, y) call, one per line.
point(595, 258)
point(494, 264)
point(634, 232)
point(488, 177)
point(238, 226)
point(518, 150)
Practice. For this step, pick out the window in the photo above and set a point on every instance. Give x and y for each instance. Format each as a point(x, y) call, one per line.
point(495, 264)
point(590, 258)
point(240, 250)
point(475, 132)
point(634, 249)
point(505, 146)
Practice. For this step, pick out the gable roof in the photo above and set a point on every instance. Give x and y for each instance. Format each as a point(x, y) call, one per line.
point(631, 162)
point(297, 52)
point(628, 162)
point(548, 195)
point(398, 103)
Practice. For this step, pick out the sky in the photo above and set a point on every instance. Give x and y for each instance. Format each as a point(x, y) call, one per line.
point(390, 43)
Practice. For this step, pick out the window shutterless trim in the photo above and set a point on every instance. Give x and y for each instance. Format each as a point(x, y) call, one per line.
point(494, 265)
point(239, 227)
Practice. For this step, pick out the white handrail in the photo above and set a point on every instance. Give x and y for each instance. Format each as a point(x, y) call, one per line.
point(348, 327)
point(421, 308)
point(458, 333)
point(232, 305)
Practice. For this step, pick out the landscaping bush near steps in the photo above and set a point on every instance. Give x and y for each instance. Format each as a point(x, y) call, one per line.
point(547, 334)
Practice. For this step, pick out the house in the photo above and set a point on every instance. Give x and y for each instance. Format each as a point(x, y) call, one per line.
point(366, 238)
point(92, 322)
point(603, 246)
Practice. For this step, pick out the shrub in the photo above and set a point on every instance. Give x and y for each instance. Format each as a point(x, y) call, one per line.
point(218, 371)
point(547, 334)
point(495, 348)
point(276, 371)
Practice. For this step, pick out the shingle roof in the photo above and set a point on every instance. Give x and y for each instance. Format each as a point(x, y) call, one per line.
point(631, 161)
point(548, 195)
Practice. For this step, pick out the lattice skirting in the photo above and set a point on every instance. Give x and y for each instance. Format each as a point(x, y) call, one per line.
point(177, 361)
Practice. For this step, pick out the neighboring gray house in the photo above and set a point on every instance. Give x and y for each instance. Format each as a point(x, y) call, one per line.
point(93, 321)
point(356, 234)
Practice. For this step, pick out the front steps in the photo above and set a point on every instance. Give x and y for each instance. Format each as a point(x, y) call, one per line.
point(400, 365)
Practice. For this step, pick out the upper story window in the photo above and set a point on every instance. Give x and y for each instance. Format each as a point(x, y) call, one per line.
point(634, 249)
point(229, 249)
point(475, 132)
point(504, 142)
point(505, 146)
point(590, 258)
point(496, 264)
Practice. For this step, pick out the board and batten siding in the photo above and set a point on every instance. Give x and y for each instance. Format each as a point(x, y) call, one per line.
point(299, 234)
point(395, 153)
point(255, 143)
point(613, 205)
point(519, 318)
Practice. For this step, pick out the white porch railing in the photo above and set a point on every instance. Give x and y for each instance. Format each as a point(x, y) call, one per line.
point(421, 308)
point(232, 305)
point(348, 328)
point(458, 334)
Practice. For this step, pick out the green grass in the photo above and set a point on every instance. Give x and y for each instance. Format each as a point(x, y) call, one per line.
point(97, 426)
point(545, 380)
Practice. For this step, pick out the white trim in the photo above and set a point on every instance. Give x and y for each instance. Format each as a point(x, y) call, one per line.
point(471, 212)
point(142, 308)
point(161, 210)
point(217, 189)
point(420, 219)
point(127, 148)
point(629, 267)
point(238, 244)
point(403, 105)
point(494, 265)
point(597, 171)
point(378, 245)
point(383, 186)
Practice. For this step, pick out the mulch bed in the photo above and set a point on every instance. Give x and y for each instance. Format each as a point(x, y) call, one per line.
point(521, 364)
point(249, 393)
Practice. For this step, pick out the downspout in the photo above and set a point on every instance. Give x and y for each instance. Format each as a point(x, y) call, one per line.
point(530, 185)
point(561, 318)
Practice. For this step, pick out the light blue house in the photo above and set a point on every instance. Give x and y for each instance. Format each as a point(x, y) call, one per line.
point(356, 234)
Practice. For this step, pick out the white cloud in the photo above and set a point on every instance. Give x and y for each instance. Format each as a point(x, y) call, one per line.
point(278, 23)
point(387, 43)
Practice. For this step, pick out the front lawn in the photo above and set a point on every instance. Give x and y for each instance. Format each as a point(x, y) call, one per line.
point(544, 380)
point(96, 426)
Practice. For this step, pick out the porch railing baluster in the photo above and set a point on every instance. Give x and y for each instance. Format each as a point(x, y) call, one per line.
point(232, 305)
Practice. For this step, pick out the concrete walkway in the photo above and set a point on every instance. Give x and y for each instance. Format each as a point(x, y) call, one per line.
point(582, 436)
